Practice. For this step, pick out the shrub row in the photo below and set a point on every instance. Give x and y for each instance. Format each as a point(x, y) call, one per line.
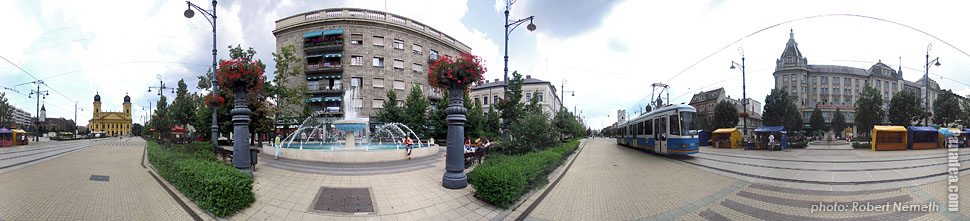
point(799, 145)
point(193, 169)
point(857, 145)
point(502, 179)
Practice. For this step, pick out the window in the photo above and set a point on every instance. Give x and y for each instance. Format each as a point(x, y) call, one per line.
point(358, 103)
point(848, 81)
point(355, 82)
point(477, 100)
point(398, 44)
point(417, 67)
point(416, 48)
point(378, 62)
point(878, 83)
point(378, 82)
point(398, 64)
point(856, 82)
point(528, 97)
point(894, 86)
point(674, 125)
point(885, 84)
point(356, 60)
point(540, 96)
point(398, 85)
point(378, 103)
point(484, 99)
point(785, 78)
point(434, 55)
point(313, 85)
point(378, 41)
point(356, 39)
point(794, 89)
point(814, 90)
point(835, 80)
point(495, 99)
point(814, 79)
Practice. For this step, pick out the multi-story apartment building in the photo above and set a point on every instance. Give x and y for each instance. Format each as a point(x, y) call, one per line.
point(705, 103)
point(490, 92)
point(21, 118)
point(829, 87)
point(363, 53)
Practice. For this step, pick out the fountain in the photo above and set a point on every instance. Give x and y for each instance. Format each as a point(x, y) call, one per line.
point(318, 139)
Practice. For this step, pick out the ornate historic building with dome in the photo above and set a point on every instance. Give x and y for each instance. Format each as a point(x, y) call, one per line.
point(111, 123)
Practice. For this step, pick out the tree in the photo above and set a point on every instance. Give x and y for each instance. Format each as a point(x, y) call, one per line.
point(493, 123)
point(838, 121)
point(439, 118)
point(725, 115)
point(289, 101)
point(868, 110)
point(183, 105)
point(534, 107)
point(136, 129)
point(964, 118)
point(946, 108)
point(817, 120)
point(776, 108)
point(390, 112)
point(416, 110)
point(475, 124)
point(6, 112)
point(510, 108)
point(904, 108)
point(794, 120)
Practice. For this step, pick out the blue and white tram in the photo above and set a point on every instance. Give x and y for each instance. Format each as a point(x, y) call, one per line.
point(665, 130)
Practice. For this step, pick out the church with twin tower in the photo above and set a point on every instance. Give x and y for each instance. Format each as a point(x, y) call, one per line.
point(111, 123)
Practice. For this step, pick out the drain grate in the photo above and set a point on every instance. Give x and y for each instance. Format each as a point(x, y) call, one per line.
point(100, 178)
point(345, 200)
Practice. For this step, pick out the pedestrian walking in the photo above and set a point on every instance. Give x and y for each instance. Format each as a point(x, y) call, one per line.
point(277, 144)
point(407, 146)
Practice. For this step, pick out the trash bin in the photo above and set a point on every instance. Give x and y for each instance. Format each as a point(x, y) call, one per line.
point(253, 152)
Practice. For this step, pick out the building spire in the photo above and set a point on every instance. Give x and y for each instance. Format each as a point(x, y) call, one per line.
point(791, 34)
point(900, 71)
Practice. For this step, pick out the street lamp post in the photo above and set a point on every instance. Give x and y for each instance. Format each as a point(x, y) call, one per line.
point(562, 94)
point(209, 15)
point(514, 24)
point(38, 93)
point(926, 81)
point(744, 94)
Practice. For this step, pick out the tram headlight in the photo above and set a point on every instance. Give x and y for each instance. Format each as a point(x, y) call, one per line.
point(684, 146)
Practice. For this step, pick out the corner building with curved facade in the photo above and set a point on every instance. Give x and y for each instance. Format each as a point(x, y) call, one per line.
point(831, 87)
point(364, 51)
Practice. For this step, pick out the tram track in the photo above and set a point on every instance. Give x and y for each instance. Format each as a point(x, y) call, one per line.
point(31, 154)
point(60, 150)
point(826, 170)
point(35, 149)
point(935, 156)
point(816, 181)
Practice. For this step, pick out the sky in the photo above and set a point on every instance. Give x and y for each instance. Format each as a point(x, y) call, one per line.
point(608, 52)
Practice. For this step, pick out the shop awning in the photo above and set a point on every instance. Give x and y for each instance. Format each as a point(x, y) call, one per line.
point(314, 56)
point(314, 99)
point(889, 128)
point(313, 34)
point(333, 32)
point(922, 129)
point(725, 130)
point(5, 131)
point(334, 55)
point(19, 131)
point(314, 77)
point(333, 99)
point(333, 76)
point(771, 129)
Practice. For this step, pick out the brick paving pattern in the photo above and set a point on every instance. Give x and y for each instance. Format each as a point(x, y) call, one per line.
point(61, 189)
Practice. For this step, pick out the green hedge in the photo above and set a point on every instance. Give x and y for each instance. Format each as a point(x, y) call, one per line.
point(193, 169)
point(857, 145)
point(799, 145)
point(502, 179)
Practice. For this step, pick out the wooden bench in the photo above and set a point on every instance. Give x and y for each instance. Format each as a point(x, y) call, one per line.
point(472, 157)
point(224, 154)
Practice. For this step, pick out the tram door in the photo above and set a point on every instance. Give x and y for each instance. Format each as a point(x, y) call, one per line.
point(660, 134)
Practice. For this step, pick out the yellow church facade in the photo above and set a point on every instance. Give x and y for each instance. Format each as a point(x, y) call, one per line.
point(111, 123)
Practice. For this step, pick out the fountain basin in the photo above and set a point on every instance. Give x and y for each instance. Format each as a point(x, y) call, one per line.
point(350, 125)
point(361, 153)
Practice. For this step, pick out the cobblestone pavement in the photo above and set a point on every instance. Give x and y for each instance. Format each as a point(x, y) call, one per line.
point(283, 194)
point(63, 189)
point(647, 186)
point(15, 157)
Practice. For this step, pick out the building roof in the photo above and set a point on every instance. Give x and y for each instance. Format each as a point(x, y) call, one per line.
point(791, 48)
point(836, 69)
point(707, 95)
point(528, 80)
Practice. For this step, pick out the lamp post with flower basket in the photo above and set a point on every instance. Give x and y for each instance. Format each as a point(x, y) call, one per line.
point(455, 75)
point(240, 75)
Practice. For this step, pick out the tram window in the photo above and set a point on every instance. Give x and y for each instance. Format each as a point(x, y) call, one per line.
point(642, 128)
point(674, 125)
point(649, 125)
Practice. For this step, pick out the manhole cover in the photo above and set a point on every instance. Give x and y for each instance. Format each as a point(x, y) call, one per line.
point(99, 178)
point(345, 200)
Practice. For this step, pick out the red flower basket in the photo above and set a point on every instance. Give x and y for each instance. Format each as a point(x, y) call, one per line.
point(214, 100)
point(240, 71)
point(463, 70)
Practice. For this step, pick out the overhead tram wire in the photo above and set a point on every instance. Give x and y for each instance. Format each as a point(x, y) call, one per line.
point(123, 63)
point(18, 67)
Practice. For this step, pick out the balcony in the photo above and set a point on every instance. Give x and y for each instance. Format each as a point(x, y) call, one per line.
point(323, 40)
point(327, 67)
point(326, 89)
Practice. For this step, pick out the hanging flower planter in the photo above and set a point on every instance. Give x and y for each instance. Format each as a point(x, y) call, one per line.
point(214, 100)
point(462, 71)
point(240, 70)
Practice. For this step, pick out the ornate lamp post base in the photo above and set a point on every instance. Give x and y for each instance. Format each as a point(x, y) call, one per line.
point(454, 177)
point(240, 135)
